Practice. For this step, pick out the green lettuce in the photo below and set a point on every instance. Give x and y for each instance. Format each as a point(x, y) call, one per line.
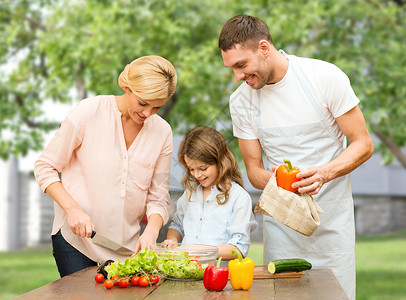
point(180, 266)
point(143, 262)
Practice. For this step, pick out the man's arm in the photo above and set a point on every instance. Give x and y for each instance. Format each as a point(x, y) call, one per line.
point(361, 148)
point(251, 153)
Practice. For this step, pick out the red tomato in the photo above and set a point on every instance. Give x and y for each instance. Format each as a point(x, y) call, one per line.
point(144, 281)
point(99, 278)
point(108, 284)
point(153, 279)
point(115, 279)
point(124, 282)
point(135, 280)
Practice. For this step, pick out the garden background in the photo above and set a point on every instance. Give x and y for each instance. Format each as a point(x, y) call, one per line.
point(54, 53)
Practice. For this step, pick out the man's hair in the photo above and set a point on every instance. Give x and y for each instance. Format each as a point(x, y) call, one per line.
point(244, 30)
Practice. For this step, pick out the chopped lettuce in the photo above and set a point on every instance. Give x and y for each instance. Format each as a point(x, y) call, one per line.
point(174, 265)
point(180, 265)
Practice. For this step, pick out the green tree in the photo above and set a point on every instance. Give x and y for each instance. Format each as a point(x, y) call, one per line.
point(366, 40)
point(66, 50)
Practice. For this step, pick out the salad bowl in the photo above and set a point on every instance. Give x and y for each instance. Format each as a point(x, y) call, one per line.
point(184, 261)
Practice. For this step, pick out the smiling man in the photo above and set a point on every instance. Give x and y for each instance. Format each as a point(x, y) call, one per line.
point(301, 109)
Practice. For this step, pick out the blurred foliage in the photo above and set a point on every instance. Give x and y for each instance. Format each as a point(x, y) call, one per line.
point(66, 50)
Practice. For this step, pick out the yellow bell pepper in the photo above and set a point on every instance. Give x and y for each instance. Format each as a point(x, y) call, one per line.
point(241, 272)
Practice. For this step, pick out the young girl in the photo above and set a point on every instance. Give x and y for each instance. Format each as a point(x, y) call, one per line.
point(214, 209)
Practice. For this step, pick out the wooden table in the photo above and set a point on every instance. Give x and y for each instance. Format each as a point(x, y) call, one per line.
point(314, 284)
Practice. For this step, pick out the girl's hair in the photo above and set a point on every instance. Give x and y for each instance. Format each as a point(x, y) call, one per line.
point(207, 145)
point(149, 77)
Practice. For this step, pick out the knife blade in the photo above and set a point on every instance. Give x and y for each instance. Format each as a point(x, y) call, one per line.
point(102, 241)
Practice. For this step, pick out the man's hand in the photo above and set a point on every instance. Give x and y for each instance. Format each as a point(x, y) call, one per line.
point(312, 180)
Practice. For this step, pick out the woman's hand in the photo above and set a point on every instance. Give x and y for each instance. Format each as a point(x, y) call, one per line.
point(151, 232)
point(79, 222)
point(147, 239)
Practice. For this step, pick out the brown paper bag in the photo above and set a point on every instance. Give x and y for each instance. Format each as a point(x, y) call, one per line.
point(297, 211)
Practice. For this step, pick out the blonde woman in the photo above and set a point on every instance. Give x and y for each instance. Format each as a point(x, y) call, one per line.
point(113, 153)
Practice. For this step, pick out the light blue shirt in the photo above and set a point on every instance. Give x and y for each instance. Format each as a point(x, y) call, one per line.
point(214, 224)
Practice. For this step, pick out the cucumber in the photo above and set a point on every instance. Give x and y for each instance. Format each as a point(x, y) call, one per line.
point(289, 264)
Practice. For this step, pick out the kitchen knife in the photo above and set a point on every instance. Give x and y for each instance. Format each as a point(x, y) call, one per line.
point(102, 241)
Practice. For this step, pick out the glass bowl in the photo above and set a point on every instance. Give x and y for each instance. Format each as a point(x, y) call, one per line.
point(184, 261)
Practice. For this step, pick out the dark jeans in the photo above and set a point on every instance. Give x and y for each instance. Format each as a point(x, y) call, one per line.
point(68, 259)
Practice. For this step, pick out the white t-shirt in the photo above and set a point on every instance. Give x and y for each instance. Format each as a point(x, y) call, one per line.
point(285, 103)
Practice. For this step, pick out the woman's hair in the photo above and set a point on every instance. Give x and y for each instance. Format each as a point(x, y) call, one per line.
point(244, 30)
point(207, 145)
point(149, 77)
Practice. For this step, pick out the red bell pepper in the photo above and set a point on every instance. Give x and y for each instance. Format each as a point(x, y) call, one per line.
point(215, 278)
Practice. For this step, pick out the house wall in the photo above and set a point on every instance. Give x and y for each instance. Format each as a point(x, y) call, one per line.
point(379, 214)
point(37, 213)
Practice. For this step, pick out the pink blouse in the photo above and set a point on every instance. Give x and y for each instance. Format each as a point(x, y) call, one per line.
point(111, 184)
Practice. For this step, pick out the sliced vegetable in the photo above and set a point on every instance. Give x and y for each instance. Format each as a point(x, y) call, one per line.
point(288, 265)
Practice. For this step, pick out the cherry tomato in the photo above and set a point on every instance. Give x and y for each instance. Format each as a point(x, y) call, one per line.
point(108, 284)
point(144, 281)
point(135, 280)
point(115, 279)
point(124, 282)
point(153, 279)
point(99, 278)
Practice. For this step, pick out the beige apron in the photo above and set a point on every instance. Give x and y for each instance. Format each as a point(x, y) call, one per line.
point(332, 244)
